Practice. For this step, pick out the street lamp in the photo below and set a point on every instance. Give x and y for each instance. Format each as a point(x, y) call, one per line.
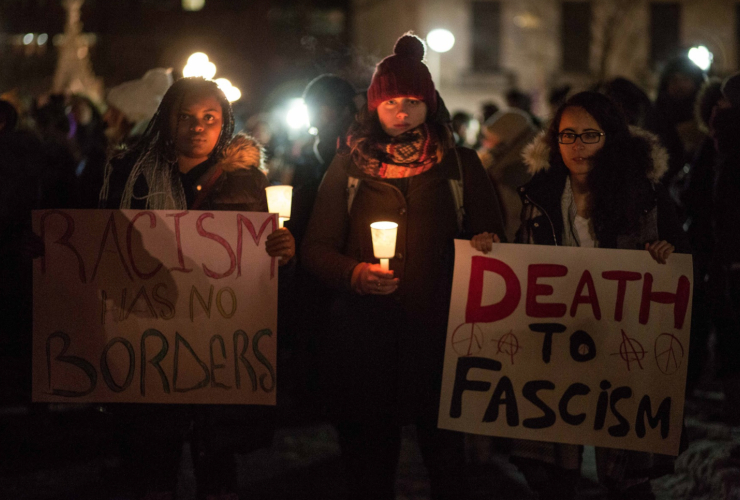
point(232, 93)
point(440, 40)
point(199, 65)
point(193, 5)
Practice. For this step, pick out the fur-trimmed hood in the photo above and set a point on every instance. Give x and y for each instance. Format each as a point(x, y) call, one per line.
point(243, 152)
point(536, 154)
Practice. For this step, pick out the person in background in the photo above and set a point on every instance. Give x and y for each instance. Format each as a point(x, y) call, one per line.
point(132, 104)
point(331, 110)
point(330, 100)
point(675, 121)
point(505, 135)
point(460, 125)
point(187, 159)
point(697, 200)
point(556, 97)
point(634, 102)
point(487, 110)
point(23, 162)
point(90, 148)
point(725, 269)
point(384, 347)
point(595, 184)
point(58, 184)
point(517, 99)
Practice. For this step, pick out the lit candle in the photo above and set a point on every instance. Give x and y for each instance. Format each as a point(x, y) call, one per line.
point(384, 241)
point(279, 200)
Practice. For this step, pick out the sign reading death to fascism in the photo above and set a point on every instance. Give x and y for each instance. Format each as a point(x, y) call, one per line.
point(570, 345)
point(154, 307)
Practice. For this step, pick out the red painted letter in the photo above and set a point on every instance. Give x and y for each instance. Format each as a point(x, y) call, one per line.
point(240, 219)
point(536, 309)
point(591, 298)
point(64, 240)
point(621, 277)
point(111, 226)
point(680, 299)
point(180, 257)
point(219, 240)
point(477, 313)
point(129, 246)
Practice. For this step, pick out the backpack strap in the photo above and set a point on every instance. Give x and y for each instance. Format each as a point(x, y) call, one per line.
point(456, 187)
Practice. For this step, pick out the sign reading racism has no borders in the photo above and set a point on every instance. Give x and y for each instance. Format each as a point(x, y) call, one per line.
point(154, 307)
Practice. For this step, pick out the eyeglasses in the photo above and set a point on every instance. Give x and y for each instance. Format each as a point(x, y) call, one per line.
point(586, 137)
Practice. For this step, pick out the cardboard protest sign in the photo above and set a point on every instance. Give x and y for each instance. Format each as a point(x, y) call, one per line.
point(154, 307)
point(570, 345)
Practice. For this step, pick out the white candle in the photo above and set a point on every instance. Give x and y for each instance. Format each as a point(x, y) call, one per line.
point(384, 241)
point(279, 201)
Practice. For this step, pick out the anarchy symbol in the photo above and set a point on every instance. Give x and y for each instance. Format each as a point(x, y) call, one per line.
point(508, 344)
point(668, 353)
point(631, 351)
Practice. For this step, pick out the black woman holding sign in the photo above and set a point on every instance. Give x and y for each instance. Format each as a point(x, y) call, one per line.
point(384, 348)
point(188, 159)
point(595, 184)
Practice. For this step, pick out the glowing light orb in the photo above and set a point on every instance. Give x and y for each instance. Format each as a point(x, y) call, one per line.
point(197, 58)
point(440, 40)
point(232, 93)
point(199, 65)
point(701, 56)
point(297, 116)
point(193, 5)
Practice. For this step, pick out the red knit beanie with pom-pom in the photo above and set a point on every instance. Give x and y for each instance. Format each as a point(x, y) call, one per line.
point(403, 74)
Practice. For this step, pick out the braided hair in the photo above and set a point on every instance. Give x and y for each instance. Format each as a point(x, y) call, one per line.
point(154, 156)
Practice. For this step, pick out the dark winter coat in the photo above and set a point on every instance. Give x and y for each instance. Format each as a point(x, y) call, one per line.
point(219, 429)
point(383, 355)
point(542, 218)
point(724, 276)
point(542, 224)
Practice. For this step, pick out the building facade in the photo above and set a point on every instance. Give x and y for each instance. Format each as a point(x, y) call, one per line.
point(536, 45)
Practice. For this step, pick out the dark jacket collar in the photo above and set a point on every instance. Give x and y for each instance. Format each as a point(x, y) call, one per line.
point(545, 191)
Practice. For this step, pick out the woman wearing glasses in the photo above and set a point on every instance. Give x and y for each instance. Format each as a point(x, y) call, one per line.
point(595, 184)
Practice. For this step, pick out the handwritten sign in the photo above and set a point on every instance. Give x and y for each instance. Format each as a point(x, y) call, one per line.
point(570, 345)
point(154, 307)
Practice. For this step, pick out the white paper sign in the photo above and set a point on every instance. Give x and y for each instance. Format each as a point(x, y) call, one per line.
point(571, 345)
point(154, 307)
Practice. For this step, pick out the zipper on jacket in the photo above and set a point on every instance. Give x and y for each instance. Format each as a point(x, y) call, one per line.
point(552, 226)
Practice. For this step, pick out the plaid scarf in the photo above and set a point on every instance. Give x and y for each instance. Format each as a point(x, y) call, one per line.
point(408, 154)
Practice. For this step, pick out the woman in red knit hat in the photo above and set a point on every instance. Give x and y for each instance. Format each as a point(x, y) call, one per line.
point(383, 352)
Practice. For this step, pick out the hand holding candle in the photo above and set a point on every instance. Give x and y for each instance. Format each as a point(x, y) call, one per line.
point(373, 278)
point(384, 241)
point(281, 242)
point(279, 201)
